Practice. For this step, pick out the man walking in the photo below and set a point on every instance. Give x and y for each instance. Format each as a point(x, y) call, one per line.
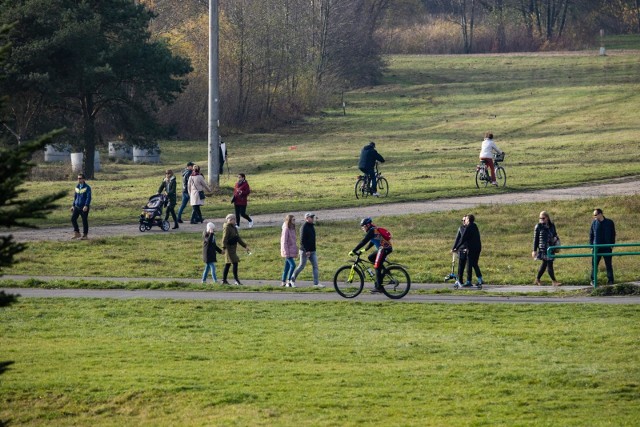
point(368, 158)
point(80, 208)
point(307, 250)
point(603, 231)
point(185, 191)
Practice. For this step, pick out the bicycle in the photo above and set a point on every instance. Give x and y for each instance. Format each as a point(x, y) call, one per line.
point(363, 185)
point(483, 175)
point(349, 279)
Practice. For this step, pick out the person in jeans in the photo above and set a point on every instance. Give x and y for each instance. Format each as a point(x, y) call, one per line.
point(186, 174)
point(603, 231)
point(241, 193)
point(486, 154)
point(368, 158)
point(470, 239)
point(168, 185)
point(307, 250)
point(288, 249)
point(543, 237)
point(209, 249)
point(80, 208)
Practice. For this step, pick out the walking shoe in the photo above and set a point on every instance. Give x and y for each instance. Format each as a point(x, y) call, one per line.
point(283, 284)
point(175, 226)
point(224, 282)
point(237, 283)
point(180, 221)
point(376, 290)
point(480, 281)
point(251, 224)
point(375, 194)
point(467, 285)
point(76, 235)
point(84, 237)
point(292, 284)
point(318, 286)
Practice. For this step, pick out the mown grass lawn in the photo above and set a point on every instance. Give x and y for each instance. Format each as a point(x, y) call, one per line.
point(422, 242)
point(139, 362)
point(563, 119)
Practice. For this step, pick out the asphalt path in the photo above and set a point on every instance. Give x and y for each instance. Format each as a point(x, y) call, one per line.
point(308, 296)
point(614, 187)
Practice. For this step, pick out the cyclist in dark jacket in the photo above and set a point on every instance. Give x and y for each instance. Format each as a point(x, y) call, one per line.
point(373, 237)
point(470, 239)
point(368, 158)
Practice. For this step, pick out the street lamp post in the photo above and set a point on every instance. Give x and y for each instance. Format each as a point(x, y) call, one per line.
point(214, 120)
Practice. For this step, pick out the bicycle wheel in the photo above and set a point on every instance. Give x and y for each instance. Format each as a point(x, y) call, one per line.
point(383, 187)
point(396, 282)
point(348, 281)
point(479, 180)
point(501, 177)
point(358, 188)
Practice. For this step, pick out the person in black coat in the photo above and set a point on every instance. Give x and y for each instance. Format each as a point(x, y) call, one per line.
point(368, 158)
point(461, 249)
point(603, 231)
point(544, 235)
point(470, 238)
point(209, 249)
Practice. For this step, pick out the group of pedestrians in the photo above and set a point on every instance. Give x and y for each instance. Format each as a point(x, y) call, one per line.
point(468, 246)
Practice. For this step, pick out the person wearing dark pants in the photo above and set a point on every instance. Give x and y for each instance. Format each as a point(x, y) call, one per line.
point(230, 241)
point(168, 185)
point(80, 208)
point(241, 193)
point(368, 158)
point(544, 235)
point(469, 239)
point(185, 191)
point(603, 231)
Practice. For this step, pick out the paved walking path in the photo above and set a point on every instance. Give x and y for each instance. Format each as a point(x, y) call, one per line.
point(621, 186)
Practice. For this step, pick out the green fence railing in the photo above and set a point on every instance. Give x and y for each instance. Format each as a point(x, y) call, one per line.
point(593, 254)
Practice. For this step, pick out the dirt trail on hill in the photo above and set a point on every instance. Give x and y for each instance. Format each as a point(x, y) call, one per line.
point(617, 187)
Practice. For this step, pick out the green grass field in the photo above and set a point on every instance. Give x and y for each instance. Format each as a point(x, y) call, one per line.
point(562, 119)
point(138, 362)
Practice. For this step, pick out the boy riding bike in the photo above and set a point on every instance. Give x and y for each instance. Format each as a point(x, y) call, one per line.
point(381, 239)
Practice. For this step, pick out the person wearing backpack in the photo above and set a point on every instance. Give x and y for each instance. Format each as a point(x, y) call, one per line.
point(381, 239)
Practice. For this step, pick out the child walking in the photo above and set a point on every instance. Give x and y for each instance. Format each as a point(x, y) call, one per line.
point(209, 249)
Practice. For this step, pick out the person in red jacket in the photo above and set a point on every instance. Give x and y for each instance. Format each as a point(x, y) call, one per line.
point(241, 192)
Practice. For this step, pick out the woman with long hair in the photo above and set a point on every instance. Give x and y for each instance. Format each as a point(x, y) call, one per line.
point(288, 249)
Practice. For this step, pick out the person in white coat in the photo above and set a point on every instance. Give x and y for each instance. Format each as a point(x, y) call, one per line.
point(196, 185)
point(486, 153)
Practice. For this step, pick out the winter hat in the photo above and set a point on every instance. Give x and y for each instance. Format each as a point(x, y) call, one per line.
point(210, 227)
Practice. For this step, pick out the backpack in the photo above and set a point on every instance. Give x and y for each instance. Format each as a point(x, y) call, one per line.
point(384, 233)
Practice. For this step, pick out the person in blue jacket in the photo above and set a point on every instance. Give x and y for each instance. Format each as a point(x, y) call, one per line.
point(80, 208)
point(368, 158)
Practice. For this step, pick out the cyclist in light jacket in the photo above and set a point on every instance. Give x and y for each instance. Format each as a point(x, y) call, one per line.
point(486, 154)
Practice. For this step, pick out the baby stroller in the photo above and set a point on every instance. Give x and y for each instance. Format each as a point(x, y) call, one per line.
point(152, 213)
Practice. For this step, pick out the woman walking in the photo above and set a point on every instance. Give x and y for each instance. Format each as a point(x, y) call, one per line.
point(544, 235)
point(209, 249)
point(241, 193)
point(230, 241)
point(196, 186)
point(288, 249)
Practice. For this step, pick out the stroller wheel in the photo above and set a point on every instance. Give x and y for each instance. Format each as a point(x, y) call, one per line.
point(143, 227)
point(165, 225)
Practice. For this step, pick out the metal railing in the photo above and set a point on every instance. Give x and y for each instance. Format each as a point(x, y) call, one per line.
point(593, 254)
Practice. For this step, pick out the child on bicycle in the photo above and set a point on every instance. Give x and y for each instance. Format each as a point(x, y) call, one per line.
point(381, 239)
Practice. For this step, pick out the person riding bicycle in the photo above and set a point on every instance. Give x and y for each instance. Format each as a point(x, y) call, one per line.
point(381, 239)
point(486, 155)
point(367, 163)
